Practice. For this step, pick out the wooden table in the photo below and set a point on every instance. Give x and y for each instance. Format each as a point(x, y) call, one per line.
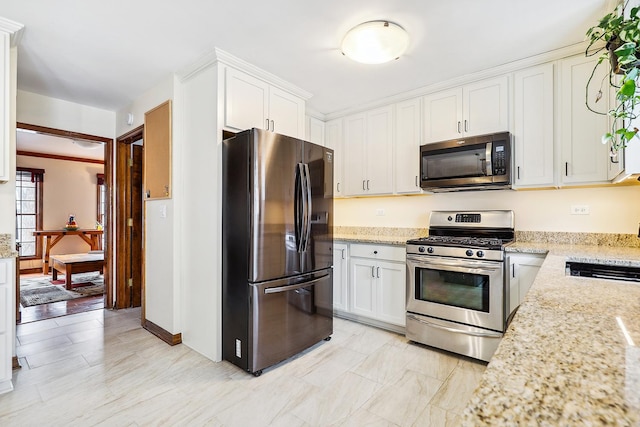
point(76, 263)
point(52, 237)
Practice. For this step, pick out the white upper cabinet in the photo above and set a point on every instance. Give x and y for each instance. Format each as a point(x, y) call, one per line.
point(252, 102)
point(368, 149)
point(474, 109)
point(333, 140)
point(584, 159)
point(533, 127)
point(407, 146)
point(5, 106)
point(314, 131)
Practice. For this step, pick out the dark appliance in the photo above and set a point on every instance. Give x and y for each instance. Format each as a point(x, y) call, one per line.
point(456, 291)
point(277, 216)
point(475, 163)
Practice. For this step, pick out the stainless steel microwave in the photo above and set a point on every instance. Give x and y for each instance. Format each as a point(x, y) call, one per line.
point(475, 163)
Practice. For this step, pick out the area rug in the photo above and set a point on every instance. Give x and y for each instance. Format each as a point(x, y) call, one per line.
point(40, 290)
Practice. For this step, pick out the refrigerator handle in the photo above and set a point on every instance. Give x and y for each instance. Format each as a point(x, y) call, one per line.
point(309, 205)
point(304, 215)
point(298, 207)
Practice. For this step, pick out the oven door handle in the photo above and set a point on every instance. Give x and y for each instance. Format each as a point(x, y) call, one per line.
point(458, 331)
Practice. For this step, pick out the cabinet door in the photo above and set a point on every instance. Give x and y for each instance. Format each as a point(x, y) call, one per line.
point(379, 151)
point(7, 322)
point(584, 157)
point(246, 101)
point(442, 115)
point(5, 107)
point(157, 152)
point(391, 292)
point(533, 131)
point(286, 113)
point(407, 147)
point(523, 269)
point(315, 131)
point(354, 154)
point(486, 106)
point(340, 277)
point(362, 285)
point(333, 140)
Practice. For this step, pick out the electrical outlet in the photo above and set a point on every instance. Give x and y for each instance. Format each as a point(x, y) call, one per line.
point(580, 210)
point(380, 212)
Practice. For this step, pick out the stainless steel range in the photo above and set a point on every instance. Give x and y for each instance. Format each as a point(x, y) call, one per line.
point(456, 291)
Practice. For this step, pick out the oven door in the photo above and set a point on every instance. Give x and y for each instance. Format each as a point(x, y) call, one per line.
point(459, 290)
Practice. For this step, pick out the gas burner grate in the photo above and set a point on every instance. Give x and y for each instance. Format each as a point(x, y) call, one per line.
point(463, 241)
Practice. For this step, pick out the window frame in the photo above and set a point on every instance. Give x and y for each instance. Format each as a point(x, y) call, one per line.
point(37, 176)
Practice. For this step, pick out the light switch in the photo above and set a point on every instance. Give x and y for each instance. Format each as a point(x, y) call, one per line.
point(163, 211)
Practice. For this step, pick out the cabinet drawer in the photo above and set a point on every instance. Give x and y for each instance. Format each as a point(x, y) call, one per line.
point(391, 253)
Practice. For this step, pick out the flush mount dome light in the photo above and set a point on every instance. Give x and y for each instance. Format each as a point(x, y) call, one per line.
point(375, 42)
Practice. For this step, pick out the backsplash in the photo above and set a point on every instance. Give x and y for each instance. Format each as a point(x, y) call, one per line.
point(565, 238)
point(402, 232)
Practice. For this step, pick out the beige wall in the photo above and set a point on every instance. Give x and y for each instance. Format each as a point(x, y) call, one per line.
point(69, 187)
point(613, 209)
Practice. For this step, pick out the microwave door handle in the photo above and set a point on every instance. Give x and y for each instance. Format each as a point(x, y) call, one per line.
point(488, 153)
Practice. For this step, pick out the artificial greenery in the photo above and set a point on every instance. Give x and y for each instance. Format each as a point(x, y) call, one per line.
point(616, 39)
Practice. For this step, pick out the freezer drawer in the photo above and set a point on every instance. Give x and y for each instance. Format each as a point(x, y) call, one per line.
point(288, 316)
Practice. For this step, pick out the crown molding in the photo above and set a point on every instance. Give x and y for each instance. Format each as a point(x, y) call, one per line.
point(219, 56)
point(14, 29)
point(506, 68)
point(311, 112)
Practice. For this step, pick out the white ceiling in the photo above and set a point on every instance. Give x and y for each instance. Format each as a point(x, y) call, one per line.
point(106, 53)
point(47, 144)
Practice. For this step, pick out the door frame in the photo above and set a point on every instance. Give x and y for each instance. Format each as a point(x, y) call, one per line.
point(121, 173)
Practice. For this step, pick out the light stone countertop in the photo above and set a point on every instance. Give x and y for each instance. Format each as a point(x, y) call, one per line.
point(382, 235)
point(6, 251)
point(564, 359)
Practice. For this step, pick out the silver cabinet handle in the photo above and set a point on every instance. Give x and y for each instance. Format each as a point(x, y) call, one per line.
point(466, 128)
point(378, 272)
point(566, 168)
point(338, 187)
point(459, 126)
point(513, 271)
point(342, 253)
point(367, 184)
point(373, 271)
point(363, 181)
point(518, 172)
point(267, 122)
point(273, 127)
point(416, 180)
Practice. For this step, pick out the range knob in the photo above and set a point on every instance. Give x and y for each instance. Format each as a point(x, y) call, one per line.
point(430, 249)
point(480, 254)
point(469, 252)
point(421, 249)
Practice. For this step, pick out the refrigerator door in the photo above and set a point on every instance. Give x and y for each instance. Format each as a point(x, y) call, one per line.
point(318, 241)
point(275, 191)
point(288, 316)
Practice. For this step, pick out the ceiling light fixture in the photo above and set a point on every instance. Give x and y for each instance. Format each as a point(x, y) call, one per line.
point(375, 42)
point(87, 144)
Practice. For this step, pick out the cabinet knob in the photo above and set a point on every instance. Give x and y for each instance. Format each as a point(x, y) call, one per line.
point(375, 252)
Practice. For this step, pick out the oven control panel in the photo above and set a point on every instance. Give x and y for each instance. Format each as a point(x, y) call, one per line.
point(455, 252)
point(467, 217)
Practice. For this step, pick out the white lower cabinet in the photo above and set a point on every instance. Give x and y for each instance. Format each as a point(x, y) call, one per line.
point(522, 271)
point(377, 284)
point(7, 319)
point(340, 276)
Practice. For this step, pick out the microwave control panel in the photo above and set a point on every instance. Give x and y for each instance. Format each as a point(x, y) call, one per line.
point(499, 160)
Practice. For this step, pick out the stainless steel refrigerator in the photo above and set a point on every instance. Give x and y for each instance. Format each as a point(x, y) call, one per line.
point(277, 248)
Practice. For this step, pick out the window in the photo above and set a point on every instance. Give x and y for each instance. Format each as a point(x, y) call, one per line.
point(29, 211)
point(102, 204)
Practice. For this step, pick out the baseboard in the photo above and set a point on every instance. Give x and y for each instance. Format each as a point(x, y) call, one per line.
point(164, 335)
point(16, 363)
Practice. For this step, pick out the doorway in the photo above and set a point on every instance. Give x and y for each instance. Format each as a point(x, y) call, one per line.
point(72, 166)
point(129, 219)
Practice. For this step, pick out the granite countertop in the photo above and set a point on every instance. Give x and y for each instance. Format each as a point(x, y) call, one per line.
point(6, 251)
point(564, 359)
point(384, 235)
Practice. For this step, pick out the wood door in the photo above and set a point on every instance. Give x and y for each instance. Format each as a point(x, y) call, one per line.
point(136, 213)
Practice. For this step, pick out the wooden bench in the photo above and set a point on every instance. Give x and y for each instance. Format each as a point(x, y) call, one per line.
point(76, 263)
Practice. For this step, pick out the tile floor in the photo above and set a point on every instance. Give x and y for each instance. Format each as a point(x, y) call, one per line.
point(102, 368)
